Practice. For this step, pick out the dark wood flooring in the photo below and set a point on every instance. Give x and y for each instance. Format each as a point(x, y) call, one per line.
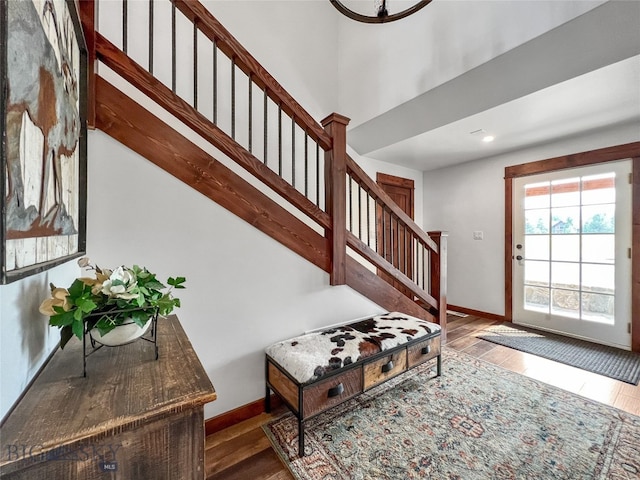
point(243, 451)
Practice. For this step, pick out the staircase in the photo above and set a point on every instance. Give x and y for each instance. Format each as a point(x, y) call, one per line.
point(300, 186)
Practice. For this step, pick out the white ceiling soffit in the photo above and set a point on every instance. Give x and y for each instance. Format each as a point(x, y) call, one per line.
point(581, 76)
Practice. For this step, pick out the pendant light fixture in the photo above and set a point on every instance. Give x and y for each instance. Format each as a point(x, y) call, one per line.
point(379, 12)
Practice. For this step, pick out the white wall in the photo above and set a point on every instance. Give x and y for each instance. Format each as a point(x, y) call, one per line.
point(244, 290)
point(469, 197)
point(26, 339)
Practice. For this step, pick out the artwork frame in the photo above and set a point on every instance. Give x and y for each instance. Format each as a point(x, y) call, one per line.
point(43, 156)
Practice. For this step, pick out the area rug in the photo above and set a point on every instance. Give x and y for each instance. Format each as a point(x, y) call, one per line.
point(608, 361)
point(476, 422)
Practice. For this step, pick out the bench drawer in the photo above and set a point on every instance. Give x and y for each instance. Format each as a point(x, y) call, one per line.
point(332, 391)
point(283, 385)
point(423, 351)
point(384, 368)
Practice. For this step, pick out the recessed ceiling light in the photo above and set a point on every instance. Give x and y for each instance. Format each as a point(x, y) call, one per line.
point(488, 138)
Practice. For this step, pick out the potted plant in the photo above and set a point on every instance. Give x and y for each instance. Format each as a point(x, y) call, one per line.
point(127, 297)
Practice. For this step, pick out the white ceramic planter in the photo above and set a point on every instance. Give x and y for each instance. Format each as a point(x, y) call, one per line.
point(121, 335)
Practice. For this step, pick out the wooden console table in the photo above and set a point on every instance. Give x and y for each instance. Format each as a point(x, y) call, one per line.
point(132, 417)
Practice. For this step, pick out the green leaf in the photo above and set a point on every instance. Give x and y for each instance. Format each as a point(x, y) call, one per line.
point(78, 329)
point(154, 285)
point(62, 319)
point(176, 282)
point(140, 317)
point(165, 304)
point(76, 289)
point(86, 305)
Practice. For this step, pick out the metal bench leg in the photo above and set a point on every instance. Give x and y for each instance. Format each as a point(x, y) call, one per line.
point(439, 367)
point(267, 400)
point(300, 438)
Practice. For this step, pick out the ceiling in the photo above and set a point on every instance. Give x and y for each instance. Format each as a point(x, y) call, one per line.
point(581, 77)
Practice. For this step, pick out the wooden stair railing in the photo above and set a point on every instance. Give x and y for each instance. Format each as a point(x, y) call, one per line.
point(289, 160)
point(389, 239)
point(132, 125)
point(120, 63)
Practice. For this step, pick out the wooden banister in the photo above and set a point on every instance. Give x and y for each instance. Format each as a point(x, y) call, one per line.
point(379, 261)
point(133, 126)
point(377, 192)
point(139, 77)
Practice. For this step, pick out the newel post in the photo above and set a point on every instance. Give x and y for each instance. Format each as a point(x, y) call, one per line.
point(335, 174)
point(439, 277)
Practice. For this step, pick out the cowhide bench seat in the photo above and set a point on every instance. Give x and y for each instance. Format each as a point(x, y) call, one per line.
point(321, 369)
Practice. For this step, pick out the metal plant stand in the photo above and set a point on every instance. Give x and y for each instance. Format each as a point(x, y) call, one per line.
point(149, 336)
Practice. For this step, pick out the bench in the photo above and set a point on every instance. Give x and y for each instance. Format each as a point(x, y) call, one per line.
point(319, 370)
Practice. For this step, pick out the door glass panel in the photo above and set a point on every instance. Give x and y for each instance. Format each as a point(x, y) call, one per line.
point(536, 195)
point(597, 307)
point(565, 275)
point(565, 192)
point(565, 248)
point(565, 303)
point(599, 189)
point(537, 247)
point(565, 220)
point(598, 278)
point(536, 298)
point(599, 218)
point(598, 248)
point(536, 221)
point(536, 273)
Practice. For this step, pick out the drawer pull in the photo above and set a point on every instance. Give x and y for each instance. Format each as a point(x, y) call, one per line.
point(335, 391)
point(387, 366)
point(426, 349)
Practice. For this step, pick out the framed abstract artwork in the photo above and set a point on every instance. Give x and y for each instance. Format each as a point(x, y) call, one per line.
point(44, 149)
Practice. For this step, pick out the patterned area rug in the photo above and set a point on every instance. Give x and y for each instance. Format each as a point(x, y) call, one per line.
point(478, 421)
point(608, 361)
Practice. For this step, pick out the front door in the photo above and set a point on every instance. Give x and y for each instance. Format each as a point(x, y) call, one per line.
point(572, 239)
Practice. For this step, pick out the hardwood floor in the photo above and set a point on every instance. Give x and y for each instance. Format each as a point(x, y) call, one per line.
point(243, 451)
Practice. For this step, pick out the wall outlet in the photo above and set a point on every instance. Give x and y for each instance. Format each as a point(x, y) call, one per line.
point(478, 235)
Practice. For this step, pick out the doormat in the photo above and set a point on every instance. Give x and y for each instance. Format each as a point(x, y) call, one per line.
point(476, 422)
point(601, 359)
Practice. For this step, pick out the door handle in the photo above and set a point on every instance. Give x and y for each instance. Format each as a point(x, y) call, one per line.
point(387, 367)
point(335, 391)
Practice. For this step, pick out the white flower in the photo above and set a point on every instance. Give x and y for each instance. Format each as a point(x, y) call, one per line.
point(120, 284)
